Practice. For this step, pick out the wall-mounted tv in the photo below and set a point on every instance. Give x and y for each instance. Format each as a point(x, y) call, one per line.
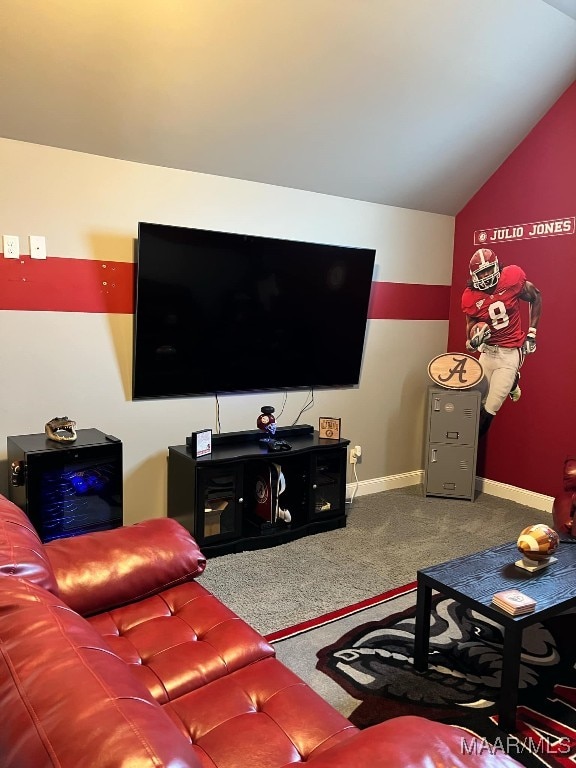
point(220, 312)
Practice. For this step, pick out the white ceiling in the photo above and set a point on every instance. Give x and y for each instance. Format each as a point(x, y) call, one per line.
point(411, 103)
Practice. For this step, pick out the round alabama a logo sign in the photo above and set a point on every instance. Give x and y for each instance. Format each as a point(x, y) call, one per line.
point(455, 370)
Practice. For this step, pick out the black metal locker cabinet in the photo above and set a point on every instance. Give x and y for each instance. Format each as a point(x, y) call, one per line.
point(451, 442)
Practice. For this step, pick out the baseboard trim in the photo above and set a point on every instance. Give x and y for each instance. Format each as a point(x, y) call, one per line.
point(512, 493)
point(501, 490)
point(377, 484)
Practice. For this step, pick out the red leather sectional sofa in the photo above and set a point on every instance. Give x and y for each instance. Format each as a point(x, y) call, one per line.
point(112, 655)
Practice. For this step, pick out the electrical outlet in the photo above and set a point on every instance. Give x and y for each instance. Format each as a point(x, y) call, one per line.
point(355, 454)
point(37, 247)
point(11, 246)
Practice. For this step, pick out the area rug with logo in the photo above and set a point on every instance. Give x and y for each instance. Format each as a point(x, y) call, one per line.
point(360, 659)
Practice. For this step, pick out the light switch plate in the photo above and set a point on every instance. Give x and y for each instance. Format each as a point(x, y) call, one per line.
point(37, 247)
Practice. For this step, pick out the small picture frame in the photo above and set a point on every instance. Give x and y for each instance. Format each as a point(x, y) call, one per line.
point(329, 428)
point(201, 443)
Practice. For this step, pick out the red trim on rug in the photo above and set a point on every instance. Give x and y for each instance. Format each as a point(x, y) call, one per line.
point(327, 618)
point(408, 301)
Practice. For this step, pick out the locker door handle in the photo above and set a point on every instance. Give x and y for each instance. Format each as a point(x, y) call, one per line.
point(436, 403)
point(452, 435)
point(433, 458)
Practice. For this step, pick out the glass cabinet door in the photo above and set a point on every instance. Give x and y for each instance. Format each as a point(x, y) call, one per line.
point(328, 484)
point(219, 502)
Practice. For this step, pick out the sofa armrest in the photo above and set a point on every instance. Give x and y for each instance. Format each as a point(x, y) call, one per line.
point(99, 571)
point(22, 554)
point(411, 741)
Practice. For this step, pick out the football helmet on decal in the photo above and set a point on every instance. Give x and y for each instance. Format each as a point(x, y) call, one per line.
point(484, 269)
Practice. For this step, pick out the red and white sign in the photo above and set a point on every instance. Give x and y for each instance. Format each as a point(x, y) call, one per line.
point(550, 228)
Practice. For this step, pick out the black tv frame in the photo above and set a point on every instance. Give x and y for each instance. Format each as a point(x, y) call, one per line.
point(293, 313)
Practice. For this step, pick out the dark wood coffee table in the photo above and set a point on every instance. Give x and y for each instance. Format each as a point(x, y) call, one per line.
point(472, 581)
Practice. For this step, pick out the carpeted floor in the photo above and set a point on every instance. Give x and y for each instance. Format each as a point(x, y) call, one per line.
point(388, 537)
point(361, 662)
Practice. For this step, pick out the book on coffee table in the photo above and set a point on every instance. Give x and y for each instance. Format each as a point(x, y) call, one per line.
point(513, 601)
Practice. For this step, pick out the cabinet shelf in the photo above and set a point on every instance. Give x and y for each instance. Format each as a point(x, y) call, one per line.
point(324, 480)
point(238, 475)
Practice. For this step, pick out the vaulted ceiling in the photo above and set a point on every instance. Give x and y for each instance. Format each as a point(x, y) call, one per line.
point(410, 103)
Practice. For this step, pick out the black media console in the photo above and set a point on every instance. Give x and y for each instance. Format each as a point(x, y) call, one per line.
point(223, 499)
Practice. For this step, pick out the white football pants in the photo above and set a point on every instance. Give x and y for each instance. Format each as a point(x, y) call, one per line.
point(500, 366)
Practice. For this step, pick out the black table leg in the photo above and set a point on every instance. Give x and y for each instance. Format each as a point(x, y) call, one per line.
point(510, 678)
point(422, 626)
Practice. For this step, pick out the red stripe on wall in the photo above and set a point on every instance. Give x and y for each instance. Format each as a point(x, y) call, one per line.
point(86, 285)
point(67, 285)
point(406, 301)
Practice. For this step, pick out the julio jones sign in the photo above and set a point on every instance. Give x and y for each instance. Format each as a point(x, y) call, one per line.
point(550, 228)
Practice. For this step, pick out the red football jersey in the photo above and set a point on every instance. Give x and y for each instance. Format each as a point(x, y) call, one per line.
point(501, 309)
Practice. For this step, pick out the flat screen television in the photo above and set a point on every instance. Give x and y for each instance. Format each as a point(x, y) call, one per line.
point(219, 312)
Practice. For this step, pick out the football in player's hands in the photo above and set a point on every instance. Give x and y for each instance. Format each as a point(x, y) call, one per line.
point(479, 333)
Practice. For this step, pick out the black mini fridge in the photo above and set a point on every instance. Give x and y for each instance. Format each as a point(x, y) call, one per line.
point(67, 489)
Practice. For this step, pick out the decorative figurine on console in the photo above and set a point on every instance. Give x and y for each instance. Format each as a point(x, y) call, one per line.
point(537, 544)
point(267, 423)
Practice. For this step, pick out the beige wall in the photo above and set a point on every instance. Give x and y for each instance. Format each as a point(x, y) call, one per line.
point(79, 365)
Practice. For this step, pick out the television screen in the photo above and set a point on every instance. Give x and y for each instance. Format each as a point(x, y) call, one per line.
point(220, 312)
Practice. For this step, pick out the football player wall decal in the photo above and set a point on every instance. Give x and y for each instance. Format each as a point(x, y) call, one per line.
point(491, 304)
